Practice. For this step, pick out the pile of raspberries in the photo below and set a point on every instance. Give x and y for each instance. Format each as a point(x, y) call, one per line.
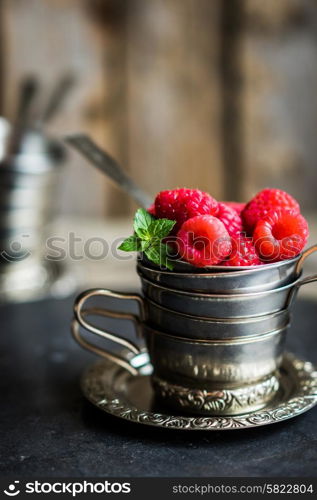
point(268, 229)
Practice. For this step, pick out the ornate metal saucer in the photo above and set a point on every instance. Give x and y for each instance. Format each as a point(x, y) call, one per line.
point(115, 391)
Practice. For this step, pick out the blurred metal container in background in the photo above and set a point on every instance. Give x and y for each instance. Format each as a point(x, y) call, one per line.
point(28, 180)
point(30, 166)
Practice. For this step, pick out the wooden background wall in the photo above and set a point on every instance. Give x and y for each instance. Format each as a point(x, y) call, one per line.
point(214, 94)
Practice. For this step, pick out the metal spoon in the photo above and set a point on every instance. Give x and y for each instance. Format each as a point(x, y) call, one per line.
point(28, 90)
point(109, 166)
point(62, 88)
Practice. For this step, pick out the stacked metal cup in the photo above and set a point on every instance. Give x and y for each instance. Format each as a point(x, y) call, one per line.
point(29, 166)
point(27, 186)
point(216, 336)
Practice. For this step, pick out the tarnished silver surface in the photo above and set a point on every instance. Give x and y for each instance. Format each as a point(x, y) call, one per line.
point(230, 354)
point(200, 363)
point(215, 364)
point(202, 328)
point(81, 311)
point(224, 306)
point(212, 365)
point(115, 391)
point(223, 279)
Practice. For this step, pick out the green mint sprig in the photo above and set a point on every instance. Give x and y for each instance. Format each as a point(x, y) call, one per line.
point(148, 235)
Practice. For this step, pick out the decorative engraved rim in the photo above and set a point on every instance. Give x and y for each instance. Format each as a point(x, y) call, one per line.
point(218, 402)
point(302, 397)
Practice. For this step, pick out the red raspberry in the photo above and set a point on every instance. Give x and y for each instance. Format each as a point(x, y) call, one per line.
point(265, 201)
point(203, 241)
point(183, 204)
point(230, 219)
point(281, 235)
point(151, 209)
point(238, 207)
point(243, 253)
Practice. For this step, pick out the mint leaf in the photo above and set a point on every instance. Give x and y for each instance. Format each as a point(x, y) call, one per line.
point(144, 244)
point(153, 254)
point(131, 244)
point(166, 250)
point(161, 228)
point(148, 236)
point(142, 222)
point(158, 255)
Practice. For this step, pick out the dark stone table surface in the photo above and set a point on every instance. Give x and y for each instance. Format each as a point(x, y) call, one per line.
point(48, 429)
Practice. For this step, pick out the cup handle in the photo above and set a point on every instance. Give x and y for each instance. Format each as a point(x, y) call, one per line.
point(300, 263)
point(298, 284)
point(79, 321)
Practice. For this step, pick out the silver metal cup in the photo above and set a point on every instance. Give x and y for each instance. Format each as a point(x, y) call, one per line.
point(222, 306)
point(216, 376)
point(202, 328)
point(230, 282)
point(223, 376)
point(211, 353)
point(225, 280)
point(27, 186)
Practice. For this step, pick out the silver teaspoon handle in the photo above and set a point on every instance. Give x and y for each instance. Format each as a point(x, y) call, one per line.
point(108, 165)
point(57, 98)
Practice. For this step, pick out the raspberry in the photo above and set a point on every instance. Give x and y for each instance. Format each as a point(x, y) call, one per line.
point(263, 203)
point(238, 207)
point(151, 209)
point(183, 204)
point(230, 219)
point(243, 253)
point(203, 241)
point(281, 235)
